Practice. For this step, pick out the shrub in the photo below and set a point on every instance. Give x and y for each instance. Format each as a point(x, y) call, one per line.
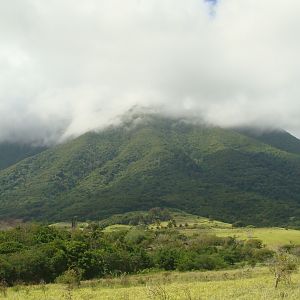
point(71, 278)
point(238, 224)
point(166, 258)
point(282, 266)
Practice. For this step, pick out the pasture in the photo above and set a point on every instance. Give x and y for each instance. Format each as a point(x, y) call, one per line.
point(246, 284)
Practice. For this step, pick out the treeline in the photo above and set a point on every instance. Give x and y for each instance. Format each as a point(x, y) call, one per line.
point(138, 218)
point(33, 253)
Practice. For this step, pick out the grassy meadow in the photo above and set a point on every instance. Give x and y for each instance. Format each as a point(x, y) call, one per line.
point(248, 284)
point(270, 236)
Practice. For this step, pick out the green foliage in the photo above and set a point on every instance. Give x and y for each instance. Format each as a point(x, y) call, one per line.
point(238, 224)
point(282, 266)
point(136, 236)
point(138, 218)
point(166, 258)
point(10, 247)
point(193, 261)
point(277, 138)
point(70, 277)
point(47, 254)
point(160, 162)
point(11, 153)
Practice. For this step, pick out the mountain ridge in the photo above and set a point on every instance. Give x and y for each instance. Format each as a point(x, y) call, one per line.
point(160, 162)
point(13, 152)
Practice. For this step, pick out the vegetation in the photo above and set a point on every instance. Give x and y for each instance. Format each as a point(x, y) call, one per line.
point(282, 266)
point(211, 172)
point(11, 153)
point(189, 225)
point(153, 261)
point(279, 139)
point(246, 284)
point(154, 215)
point(34, 253)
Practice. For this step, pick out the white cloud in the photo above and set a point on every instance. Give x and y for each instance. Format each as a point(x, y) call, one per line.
point(68, 66)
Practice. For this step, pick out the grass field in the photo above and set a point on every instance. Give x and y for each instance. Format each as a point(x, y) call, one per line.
point(116, 228)
point(245, 284)
point(272, 237)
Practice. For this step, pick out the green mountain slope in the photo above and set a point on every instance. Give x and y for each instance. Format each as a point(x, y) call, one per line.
point(11, 153)
point(277, 138)
point(159, 162)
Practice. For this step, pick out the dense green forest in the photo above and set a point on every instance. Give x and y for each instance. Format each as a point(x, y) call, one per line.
point(209, 171)
point(279, 139)
point(34, 253)
point(11, 153)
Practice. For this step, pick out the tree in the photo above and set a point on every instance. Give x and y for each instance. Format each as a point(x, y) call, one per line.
point(282, 266)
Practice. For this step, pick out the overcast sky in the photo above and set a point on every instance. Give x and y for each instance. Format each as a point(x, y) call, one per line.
point(68, 66)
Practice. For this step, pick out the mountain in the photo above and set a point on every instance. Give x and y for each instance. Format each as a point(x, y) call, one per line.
point(280, 139)
point(11, 153)
point(156, 161)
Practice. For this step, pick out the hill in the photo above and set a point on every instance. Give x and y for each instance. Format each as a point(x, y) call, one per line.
point(280, 139)
point(208, 171)
point(11, 153)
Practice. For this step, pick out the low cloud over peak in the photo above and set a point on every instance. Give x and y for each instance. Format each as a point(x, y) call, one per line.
point(71, 66)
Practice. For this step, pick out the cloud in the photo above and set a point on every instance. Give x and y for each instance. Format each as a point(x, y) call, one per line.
point(69, 66)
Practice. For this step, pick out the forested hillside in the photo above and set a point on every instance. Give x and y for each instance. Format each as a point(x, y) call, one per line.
point(276, 138)
point(11, 153)
point(163, 162)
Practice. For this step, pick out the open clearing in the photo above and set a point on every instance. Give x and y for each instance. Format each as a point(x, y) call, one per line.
point(272, 236)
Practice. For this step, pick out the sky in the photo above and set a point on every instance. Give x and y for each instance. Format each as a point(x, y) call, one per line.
point(70, 66)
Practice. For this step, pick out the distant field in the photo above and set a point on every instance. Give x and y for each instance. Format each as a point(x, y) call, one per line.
point(116, 227)
point(191, 224)
point(219, 285)
point(272, 236)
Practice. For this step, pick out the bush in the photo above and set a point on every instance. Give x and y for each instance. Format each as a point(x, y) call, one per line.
point(33, 253)
point(238, 224)
point(70, 277)
point(282, 266)
point(166, 258)
point(190, 261)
